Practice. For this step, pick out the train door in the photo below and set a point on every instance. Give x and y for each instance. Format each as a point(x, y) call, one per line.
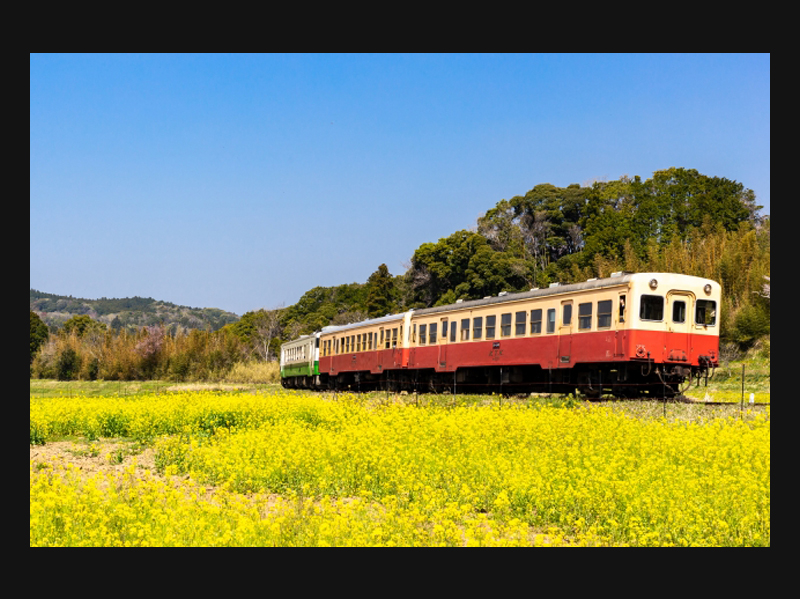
point(680, 307)
point(443, 342)
point(621, 333)
point(565, 333)
point(381, 344)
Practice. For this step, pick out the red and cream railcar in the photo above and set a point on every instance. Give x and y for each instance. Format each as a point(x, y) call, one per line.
point(629, 334)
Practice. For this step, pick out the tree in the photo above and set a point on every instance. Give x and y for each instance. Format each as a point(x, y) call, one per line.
point(266, 327)
point(380, 291)
point(39, 333)
point(81, 325)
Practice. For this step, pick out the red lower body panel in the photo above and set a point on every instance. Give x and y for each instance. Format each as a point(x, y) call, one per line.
point(546, 351)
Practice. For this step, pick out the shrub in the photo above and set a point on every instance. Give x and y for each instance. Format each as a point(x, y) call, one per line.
point(68, 364)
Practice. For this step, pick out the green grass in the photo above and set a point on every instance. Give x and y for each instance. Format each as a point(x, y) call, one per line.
point(53, 388)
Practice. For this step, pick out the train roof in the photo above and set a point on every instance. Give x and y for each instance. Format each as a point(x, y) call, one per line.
point(615, 280)
point(555, 289)
point(362, 323)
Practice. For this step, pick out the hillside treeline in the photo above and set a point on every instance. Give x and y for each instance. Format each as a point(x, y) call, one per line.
point(130, 313)
point(677, 221)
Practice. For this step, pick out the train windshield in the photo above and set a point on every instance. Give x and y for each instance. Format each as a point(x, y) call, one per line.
point(706, 312)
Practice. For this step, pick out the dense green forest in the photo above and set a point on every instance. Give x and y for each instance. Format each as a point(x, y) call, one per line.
point(676, 221)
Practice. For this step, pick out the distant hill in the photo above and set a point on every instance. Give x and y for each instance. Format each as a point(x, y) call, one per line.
point(127, 312)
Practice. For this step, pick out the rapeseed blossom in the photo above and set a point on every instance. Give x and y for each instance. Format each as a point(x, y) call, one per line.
point(297, 469)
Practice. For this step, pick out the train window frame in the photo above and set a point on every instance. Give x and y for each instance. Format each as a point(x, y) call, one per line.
point(679, 305)
point(491, 324)
point(551, 321)
point(465, 329)
point(700, 308)
point(477, 328)
point(520, 323)
point(505, 325)
point(648, 310)
point(605, 310)
point(585, 316)
point(423, 334)
point(536, 321)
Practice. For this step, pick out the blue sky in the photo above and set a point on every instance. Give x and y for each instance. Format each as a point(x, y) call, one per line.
point(240, 182)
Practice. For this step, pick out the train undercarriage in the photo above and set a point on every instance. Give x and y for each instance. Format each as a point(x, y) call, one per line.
point(623, 380)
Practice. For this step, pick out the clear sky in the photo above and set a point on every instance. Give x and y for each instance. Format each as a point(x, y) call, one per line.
point(240, 182)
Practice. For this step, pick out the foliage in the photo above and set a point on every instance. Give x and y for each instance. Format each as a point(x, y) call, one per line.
point(39, 333)
point(129, 312)
point(380, 293)
point(296, 469)
point(148, 353)
point(82, 325)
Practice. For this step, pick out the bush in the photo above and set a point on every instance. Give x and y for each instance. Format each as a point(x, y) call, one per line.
point(68, 364)
point(254, 372)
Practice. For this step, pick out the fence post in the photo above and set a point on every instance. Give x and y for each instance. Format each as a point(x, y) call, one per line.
point(741, 407)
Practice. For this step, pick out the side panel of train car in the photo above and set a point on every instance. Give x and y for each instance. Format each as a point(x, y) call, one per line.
point(300, 362)
point(630, 335)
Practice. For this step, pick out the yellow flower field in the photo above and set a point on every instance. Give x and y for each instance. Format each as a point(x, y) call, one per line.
point(300, 469)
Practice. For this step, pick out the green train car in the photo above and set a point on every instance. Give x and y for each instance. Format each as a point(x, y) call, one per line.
point(300, 362)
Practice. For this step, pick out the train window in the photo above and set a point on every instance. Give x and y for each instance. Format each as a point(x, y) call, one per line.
point(551, 320)
point(505, 325)
point(536, 322)
point(604, 314)
point(358, 342)
point(585, 316)
point(432, 332)
point(423, 333)
point(622, 308)
point(381, 341)
point(465, 329)
point(453, 332)
point(477, 327)
point(490, 322)
point(413, 333)
point(394, 337)
point(652, 307)
point(519, 322)
point(706, 312)
point(679, 311)
point(566, 315)
point(444, 330)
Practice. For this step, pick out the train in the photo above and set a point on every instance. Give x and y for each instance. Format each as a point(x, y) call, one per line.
point(628, 335)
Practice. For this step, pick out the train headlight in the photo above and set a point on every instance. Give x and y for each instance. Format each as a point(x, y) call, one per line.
point(653, 284)
point(707, 288)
